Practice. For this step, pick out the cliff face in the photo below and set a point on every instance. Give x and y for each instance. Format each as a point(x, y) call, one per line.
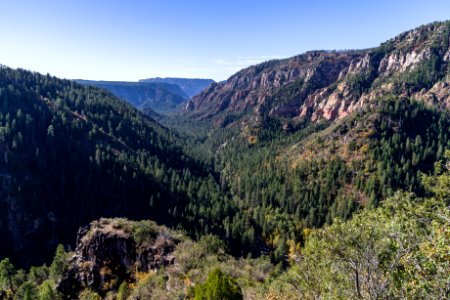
point(330, 85)
point(255, 85)
point(110, 251)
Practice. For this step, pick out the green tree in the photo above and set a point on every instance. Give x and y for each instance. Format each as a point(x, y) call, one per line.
point(7, 272)
point(59, 264)
point(48, 292)
point(427, 268)
point(438, 183)
point(218, 286)
point(27, 291)
point(397, 251)
point(38, 275)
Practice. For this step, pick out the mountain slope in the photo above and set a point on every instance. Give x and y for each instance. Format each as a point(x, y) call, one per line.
point(160, 97)
point(73, 153)
point(328, 85)
point(303, 141)
point(191, 86)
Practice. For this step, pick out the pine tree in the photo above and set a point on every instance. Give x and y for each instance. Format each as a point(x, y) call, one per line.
point(218, 286)
point(59, 264)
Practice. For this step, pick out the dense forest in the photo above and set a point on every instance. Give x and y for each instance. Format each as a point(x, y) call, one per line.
point(71, 154)
point(247, 204)
point(396, 251)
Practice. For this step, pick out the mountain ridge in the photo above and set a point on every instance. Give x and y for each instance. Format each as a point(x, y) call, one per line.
point(72, 153)
point(160, 97)
point(330, 84)
point(191, 86)
point(310, 183)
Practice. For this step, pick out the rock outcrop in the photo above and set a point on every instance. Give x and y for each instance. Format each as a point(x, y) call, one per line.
point(110, 251)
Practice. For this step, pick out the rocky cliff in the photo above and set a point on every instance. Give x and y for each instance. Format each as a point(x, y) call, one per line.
point(329, 85)
point(110, 251)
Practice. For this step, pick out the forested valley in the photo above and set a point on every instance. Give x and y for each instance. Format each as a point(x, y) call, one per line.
point(280, 198)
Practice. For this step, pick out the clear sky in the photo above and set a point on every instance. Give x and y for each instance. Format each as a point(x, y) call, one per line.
point(132, 39)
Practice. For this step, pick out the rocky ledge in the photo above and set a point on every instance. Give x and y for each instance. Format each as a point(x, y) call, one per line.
point(110, 251)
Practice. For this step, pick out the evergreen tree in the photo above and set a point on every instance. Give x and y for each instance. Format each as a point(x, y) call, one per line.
point(27, 291)
point(48, 292)
point(7, 273)
point(218, 286)
point(59, 264)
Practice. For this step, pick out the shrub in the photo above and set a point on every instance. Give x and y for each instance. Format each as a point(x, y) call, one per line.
point(218, 286)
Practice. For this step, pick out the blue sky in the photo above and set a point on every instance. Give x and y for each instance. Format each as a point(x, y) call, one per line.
point(130, 40)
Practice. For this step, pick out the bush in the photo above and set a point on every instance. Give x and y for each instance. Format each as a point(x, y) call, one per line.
point(218, 286)
point(88, 294)
point(144, 231)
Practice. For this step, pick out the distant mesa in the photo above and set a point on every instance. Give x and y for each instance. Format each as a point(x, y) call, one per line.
point(153, 97)
point(191, 86)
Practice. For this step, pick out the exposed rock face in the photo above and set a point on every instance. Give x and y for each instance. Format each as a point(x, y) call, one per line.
point(112, 250)
point(400, 62)
point(325, 85)
point(438, 95)
point(254, 86)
